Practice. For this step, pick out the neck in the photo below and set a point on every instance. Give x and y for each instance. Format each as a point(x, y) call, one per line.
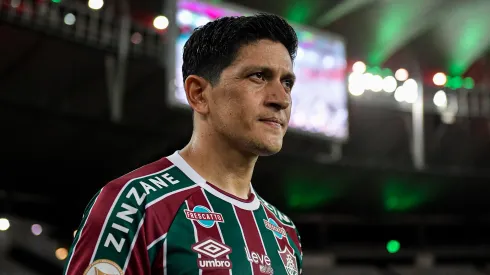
point(220, 163)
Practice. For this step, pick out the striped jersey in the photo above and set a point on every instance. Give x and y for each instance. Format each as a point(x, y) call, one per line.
point(164, 218)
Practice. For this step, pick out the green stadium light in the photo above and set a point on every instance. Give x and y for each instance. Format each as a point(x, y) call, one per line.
point(468, 83)
point(393, 246)
point(56, 1)
point(387, 72)
point(457, 82)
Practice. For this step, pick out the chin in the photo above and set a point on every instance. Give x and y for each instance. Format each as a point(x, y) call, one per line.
point(268, 149)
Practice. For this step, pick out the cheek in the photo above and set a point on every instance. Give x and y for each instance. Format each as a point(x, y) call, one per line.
point(231, 111)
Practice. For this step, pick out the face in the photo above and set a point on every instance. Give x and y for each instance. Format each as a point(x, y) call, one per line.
point(251, 104)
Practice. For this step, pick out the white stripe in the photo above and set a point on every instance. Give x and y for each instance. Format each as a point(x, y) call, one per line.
point(114, 204)
point(260, 234)
point(169, 194)
point(217, 224)
point(156, 241)
point(165, 257)
point(178, 161)
point(81, 231)
point(195, 234)
point(133, 243)
point(243, 235)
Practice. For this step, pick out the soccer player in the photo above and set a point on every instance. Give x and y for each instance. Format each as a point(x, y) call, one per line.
point(195, 211)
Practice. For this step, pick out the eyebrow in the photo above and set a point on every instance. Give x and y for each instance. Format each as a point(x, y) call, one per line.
point(287, 75)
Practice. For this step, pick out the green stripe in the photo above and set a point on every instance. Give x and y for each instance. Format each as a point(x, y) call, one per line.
point(180, 237)
point(270, 242)
point(136, 195)
point(232, 235)
point(153, 251)
point(80, 227)
point(278, 214)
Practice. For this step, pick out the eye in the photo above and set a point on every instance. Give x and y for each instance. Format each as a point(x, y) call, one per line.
point(258, 75)
point(289, 83)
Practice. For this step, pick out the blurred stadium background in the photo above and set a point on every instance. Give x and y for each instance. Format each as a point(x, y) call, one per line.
point(385, 170)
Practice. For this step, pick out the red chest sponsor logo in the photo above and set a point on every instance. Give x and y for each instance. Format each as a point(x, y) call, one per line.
point(279, 232)
point(203, 216)
point(213, 254)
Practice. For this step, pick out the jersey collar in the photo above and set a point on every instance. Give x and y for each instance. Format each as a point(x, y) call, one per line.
point(178, 161)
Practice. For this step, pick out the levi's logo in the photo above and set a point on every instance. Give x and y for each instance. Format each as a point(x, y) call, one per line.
point(263, 261)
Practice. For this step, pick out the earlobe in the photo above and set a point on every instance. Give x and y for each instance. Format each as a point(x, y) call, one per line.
point(195, 90)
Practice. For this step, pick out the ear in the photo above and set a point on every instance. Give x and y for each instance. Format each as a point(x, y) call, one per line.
point(195, 87)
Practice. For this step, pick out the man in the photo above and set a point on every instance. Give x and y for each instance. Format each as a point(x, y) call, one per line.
point(195, 212)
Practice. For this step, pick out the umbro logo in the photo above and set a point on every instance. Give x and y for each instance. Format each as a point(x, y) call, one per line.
point(213, 254)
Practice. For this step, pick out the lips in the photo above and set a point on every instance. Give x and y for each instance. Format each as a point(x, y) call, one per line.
point(273, 120)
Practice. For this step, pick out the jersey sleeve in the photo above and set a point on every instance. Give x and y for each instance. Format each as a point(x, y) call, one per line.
point(300, 263)
point(109, 237)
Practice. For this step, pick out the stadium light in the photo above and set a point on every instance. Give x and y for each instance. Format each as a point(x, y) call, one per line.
point(367, 80)
point(393, 246)
point(61, 253)
point(185, 17)
point(439, 79)
point(468, 83)
point(389, 84)
point(70, 19)
point(95, 4)
point(440, 99)
point(160, 22)
point(4, 224)
point(359, 67)
point(401, 74)
point(356, 84)
point(376, 83)
point(400, 94)
point(36, 229)
point(411, 90)
point(136, 38)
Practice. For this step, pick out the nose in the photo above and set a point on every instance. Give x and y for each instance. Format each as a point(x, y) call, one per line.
point(277, 97)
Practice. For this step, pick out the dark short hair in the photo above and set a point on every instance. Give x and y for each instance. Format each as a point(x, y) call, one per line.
point(214, 46)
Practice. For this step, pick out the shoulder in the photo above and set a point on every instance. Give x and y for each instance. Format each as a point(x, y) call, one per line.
point(285, 221)
point(148, 184)
point(283, 218)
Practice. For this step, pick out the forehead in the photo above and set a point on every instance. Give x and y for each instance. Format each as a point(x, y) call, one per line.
point(265, 53)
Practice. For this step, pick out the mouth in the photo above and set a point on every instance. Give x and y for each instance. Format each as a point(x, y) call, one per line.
point(272, 121)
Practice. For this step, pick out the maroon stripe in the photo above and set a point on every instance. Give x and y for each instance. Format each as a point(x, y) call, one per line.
point(157, 267)
point(93, 226)
point(283, 242)
point(161, 214)
point(289, 230)
point(252, 237)
point(203, 233)
point(139, 262)
point(91, 230)
point(294, 236)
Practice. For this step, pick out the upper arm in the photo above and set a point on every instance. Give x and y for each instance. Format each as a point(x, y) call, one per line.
point(300, 249)
point(109, 233)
